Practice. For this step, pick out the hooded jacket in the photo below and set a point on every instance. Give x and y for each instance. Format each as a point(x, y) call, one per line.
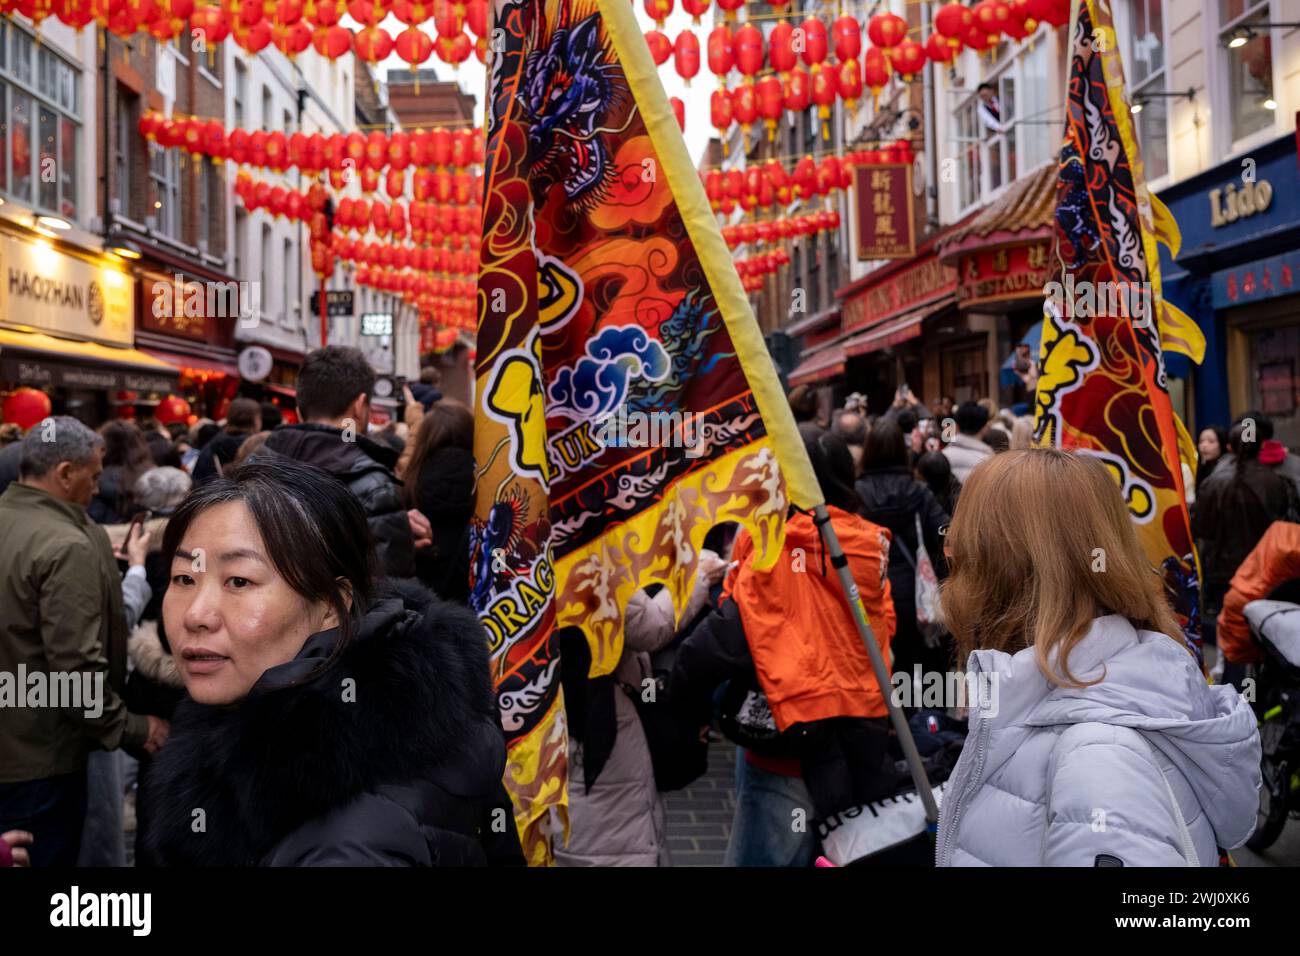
point(1273, 562)
point(405, 770)
point(1058, 776)
point(366, 467)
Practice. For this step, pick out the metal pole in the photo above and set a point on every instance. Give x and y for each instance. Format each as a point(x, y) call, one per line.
point(822, 519)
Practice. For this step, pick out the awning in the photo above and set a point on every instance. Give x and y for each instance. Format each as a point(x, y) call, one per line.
point(825, 363)
point(35, 358)
point(194, 361)
point(894, 331)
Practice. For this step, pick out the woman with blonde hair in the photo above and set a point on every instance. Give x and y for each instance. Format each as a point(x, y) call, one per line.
point(1095, 739)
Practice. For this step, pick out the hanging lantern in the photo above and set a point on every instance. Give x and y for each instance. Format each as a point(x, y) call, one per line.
point(720, 112)
point(696, 8)
point(395, 183)
point(804, 177)
point(993, 16)
point(658, 11)
point(319, 13)
point(1022, 19)
point(729, 8)
point(686, 55)
point(748, 46)
point(440, 146)
point(679, 111)
point(796, 90)
point(412, 13)
point(414, 47)
point(815, 43)
point(277, 150)
point(939, 49)
point(214, 140)
point(238, 146)
point(770, 102)
point(824, 90)
point(369, 179)
point(211, 24)
point(780, 180)
point(848, 78)
point(194, 134)
point(875, 71)
point(291, 39)
point(952, 21)
point(661, 48)
point(253, 39)
point(26, 407)
point(780, 48)
point(908, 59)
point(376, 150)
point(976, 38)
point(149, 123)
point(720, 55)
point(744, 104)
point(476, 17)
point(886, 30)
point(847, 33)
point(372, 44)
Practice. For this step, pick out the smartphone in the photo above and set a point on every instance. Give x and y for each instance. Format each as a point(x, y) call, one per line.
point(904, 391)
point(137, 521)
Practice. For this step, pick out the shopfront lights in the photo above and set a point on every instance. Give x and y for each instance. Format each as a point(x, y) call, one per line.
point(1136, 107)
point(122, 247)
point(53, 222)
point(1240, 37)
point(1270, 104)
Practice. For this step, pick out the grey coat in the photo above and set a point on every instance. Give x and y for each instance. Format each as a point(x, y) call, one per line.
point(1060, 776)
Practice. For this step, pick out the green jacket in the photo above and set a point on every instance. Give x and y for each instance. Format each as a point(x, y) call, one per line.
point(62, 617)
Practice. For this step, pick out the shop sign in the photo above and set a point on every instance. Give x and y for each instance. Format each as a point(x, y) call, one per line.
point(173, 306)
point(339, 303)
point(884, 197)
point(1256, 281)
point(1232, 202)
point(1001, 275)
point(41, 374)
point(899, 292)
point(45, 289)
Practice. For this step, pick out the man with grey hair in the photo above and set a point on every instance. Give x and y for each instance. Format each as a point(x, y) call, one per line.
point(63, 626)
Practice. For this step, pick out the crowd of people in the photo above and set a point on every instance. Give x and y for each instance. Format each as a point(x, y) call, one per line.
point(289, 653)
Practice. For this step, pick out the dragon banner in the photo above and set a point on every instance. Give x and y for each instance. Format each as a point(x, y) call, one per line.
point(625, 400)
point(1106, 327)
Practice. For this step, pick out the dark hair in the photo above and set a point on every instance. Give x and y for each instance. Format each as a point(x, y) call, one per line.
point(429, 375)
point(331, 379)
point(971, 417)
point(206, 434)
point(885, 446)
point(271, 417)
point(935, 469)
point(447, 424)
point(832, 463)
point(242, 415)
point(1263, 424)
point(127, 450)
point(314, 529)
point(986, 86)
point(1220, 435)
point(803, 403)
point(850, 434)
point(907, 420)
point(997, 439)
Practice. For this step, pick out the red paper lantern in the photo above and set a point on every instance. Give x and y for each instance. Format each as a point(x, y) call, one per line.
point(253, 39)
point(770, 102)
point(748, 46)
point(720, 111)
point(661, 48)
point(476, 17)
point(993, 16)
point(686, 55)
point(413, 46)
point(658, 10)
point(952, 21)
point(939, 49)
point(824, 90)
point(372, 44)
point(210, 23)
point(848, 78)
point(149, 124)
point(797, 90)
point(291, 39)
point(848, 38)
point(909, 59)
point(679, 111)
point(729, 7)
point(886, 30)
point(815, 43)
point(875, 70)
point(26, 407)
point(720, 54)
point(696, 8)
point(976, 38)
point(780, 48)
point(172, 410)
point(744, 104)
point(214, 140)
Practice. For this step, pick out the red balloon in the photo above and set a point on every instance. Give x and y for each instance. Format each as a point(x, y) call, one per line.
point(26, 407)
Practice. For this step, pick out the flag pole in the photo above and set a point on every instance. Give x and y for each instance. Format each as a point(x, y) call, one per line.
point(822, 519)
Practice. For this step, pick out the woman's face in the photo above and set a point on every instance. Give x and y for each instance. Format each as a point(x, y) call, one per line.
point(229, 614)
point(1209, 445)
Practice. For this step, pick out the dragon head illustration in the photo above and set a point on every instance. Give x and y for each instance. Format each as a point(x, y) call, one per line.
point(568, 88)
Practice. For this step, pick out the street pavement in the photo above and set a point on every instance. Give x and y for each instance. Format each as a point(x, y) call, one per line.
point(699, 817)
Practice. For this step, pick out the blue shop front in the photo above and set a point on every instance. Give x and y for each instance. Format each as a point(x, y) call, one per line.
point(1238, 276)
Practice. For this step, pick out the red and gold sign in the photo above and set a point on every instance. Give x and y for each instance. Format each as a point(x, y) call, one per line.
point(1007, 274)
point(901, 291)
point(885, 225)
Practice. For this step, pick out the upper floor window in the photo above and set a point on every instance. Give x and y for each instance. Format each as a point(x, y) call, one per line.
point(1249, 65)
point(40, 124)
point(241, 93)
point(165, 172)
point(1147, 73)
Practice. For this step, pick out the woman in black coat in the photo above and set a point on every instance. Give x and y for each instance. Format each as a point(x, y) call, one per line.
point(893, 498)
point(439, 481)
point(330, 720)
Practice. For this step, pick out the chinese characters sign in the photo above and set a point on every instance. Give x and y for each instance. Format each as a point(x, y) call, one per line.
point(914, 286)
point(884, 196)
point(1262, 279)
point(1001, 275)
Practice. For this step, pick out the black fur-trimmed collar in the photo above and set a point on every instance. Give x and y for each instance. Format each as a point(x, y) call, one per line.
point(285, 755)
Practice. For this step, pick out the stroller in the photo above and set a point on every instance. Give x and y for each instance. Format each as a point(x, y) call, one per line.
point(1276, 626)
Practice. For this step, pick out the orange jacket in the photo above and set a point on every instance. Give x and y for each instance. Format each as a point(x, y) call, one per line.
point(1275, 560)
point(810, 660)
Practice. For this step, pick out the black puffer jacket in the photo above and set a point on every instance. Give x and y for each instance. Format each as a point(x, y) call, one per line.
point(366, 467)
point(223, 447)
point(444, 492)
point(407, 774)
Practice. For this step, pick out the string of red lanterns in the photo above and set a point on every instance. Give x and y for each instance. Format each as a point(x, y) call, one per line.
point(770, 183)
point(773, 230)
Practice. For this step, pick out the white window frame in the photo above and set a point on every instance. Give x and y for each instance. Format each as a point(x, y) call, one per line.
point(1160, 80)
point(1224, 145)
point(166, 179)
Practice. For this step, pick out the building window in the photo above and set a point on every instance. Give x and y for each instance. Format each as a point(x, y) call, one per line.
point(1147, 74)
point(241, 93)
point(266, 263)
point(165, 173)
point(122, 142)
point(1249, 66)
point(266, 108)
point(1039, 129)
point(39, 125)
point(241, 237)
point(969, 157)
point(205, 204)
point(287, 290)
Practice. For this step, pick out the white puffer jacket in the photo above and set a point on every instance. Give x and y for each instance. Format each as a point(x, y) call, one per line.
point(1060, 776)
